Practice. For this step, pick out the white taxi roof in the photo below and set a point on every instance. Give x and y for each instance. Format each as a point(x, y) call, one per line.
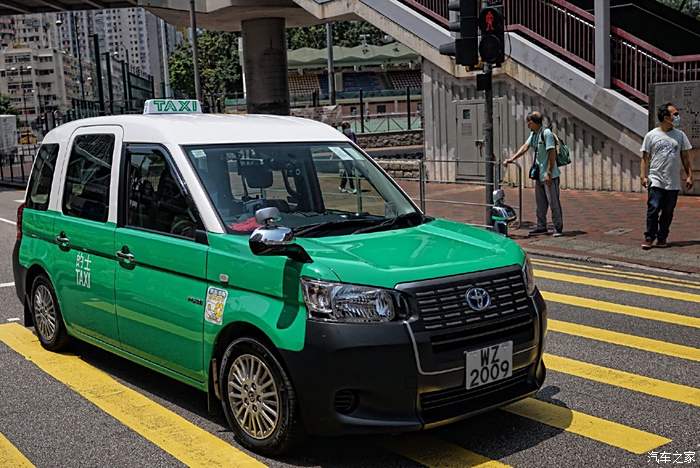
point(186, 129)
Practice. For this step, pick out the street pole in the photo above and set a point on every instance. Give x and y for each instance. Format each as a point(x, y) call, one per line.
point(488, 143)
point(195, 64)
point(110, 90)
point(80, 60)
point(126, 83)
point(331, 67)
point(98, 72)
point(166, 68)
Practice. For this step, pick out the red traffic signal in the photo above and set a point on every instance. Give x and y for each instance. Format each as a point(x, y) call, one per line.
point(492, 44)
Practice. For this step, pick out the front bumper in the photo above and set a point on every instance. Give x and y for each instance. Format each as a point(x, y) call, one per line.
point(355, 378)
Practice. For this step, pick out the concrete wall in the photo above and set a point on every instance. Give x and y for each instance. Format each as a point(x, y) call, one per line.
point(598, 161)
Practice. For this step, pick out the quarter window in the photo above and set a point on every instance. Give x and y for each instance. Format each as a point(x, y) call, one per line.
point(42, 177)
point(86, 193)
point(155, 199)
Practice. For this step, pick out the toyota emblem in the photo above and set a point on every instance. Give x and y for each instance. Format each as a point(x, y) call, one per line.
point(478, 299)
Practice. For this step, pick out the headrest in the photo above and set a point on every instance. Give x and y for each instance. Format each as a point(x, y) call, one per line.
point(257, 177)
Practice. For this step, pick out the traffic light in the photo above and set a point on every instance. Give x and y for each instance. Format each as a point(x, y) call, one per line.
point(492, 44)
point(466, 45)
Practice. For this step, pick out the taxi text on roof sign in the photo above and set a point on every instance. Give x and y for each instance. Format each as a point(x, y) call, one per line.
point(172, 106)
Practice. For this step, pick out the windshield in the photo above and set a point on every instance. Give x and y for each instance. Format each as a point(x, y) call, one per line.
point(319, 188)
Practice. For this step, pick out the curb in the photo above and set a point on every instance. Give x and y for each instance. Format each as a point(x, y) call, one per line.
point(607, 261)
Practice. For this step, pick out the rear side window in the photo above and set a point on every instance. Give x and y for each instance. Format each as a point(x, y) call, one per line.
point(86, 193)
point(39, 188)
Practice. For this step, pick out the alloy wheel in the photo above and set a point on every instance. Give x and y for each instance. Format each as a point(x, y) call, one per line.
point(45, 312)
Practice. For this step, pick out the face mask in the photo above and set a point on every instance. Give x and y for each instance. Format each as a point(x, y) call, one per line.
point(677, 121)
point(347, 131)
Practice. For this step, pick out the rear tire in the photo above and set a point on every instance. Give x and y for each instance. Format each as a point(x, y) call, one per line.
point(46, 314)
point(258, 398)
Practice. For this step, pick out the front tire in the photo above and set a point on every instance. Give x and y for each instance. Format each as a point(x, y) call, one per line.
point(46, 313)
point(258, 398)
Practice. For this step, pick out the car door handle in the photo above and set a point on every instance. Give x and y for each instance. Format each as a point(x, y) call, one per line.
point(63, 241)
point(126, 257)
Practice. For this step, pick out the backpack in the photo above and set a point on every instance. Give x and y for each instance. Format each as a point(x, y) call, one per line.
point(562, 150)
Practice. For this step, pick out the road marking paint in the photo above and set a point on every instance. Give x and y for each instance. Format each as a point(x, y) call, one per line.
point(10, 456)
point(6, 285)
point(433, 452)
point(633, 288)
point(13, 319)
point(608, 432)
point(622, 379)
point(8, 221)
point(623, 339)
point(604, 272)
point(612, 307)
point(183, 440)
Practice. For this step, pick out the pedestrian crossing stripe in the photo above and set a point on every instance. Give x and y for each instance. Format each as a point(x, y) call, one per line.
point(622, 379)
point(614, 308)
point(607, 272)
point(182, 439)
point(633, 288)
point(623, 339)
point(608, 432)
point(433, 452)
point(10, 456)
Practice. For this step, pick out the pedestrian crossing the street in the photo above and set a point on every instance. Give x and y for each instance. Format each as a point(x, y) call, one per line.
point(607, 327)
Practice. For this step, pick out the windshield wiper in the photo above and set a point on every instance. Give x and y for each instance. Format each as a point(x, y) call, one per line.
point(330, 225)
point(411, 219)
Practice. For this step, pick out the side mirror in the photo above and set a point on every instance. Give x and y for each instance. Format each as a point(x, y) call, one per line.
point(273, 240)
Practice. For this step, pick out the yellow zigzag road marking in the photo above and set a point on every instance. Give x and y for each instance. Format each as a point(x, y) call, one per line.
point(622, 379)
point(434, 452)
point(626, 274)
point(183, 440)
point(634, 288)
point(649, 314)
point(623, 339)
point(602, 430)
point(10, 456)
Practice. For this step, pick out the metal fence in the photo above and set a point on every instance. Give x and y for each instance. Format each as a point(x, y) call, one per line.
point(570, 32)
point(16, 165)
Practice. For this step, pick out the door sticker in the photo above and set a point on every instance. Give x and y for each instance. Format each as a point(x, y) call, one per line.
point(82, 269)
point(216, 301)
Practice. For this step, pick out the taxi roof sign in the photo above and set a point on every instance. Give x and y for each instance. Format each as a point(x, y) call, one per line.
point(172, 106)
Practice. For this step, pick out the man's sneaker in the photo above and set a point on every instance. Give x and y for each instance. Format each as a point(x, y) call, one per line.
point(342, 189)
point(661, 244)
point(558, 234)
point(538, 231)
point(646, 245)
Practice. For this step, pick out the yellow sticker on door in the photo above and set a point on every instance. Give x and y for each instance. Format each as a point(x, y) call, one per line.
point(216, 301)
point(82, 269)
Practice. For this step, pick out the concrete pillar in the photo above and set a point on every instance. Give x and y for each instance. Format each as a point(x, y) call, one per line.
point(602, 43)
point(265, 61)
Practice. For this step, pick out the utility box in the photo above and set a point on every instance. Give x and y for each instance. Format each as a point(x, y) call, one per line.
point(8, 135)
point(471, 157)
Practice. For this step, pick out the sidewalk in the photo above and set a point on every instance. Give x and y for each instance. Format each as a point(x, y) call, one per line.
point(597, 225)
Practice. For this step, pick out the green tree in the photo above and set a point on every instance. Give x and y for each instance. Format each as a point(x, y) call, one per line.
point(219, 67)
point(689, 7)
point(345, 34)
point(6, 106)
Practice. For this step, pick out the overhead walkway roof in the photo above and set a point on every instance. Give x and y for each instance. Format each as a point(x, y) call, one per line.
point(19, 7)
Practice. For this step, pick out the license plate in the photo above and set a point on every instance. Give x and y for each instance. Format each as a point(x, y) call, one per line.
point(489, 364)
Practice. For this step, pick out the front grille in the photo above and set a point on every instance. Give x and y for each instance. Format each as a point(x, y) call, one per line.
point(444, 404)
point(442, 303)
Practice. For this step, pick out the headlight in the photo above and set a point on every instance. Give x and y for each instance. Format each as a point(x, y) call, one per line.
point(529, 276)
point(341, 302)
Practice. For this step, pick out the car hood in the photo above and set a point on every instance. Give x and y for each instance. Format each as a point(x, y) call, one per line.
point(435, 249)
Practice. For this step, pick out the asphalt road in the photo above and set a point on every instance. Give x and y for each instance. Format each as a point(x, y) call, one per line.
point(622, 381)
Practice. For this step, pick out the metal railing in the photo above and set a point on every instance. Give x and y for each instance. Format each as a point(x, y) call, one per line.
point(569, 31)
point(16, 165)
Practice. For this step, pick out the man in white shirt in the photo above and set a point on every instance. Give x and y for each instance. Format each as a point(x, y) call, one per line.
point(663, 150)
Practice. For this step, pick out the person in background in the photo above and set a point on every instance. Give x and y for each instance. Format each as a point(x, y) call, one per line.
point(546, 174)
point(663, 150)
point(346, 166)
